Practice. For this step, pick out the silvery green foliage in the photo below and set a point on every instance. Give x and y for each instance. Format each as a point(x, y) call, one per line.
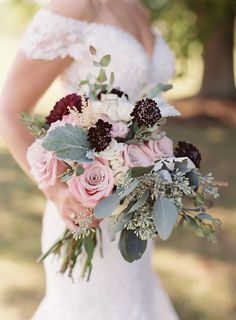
point(131, 247)
point(165, 215)
point(69, 142)
point(118, 223)
point(142, 223)
point(35, 124)
point(107, 206)
point(83, 229)
point(158, 89)
point(207, 183)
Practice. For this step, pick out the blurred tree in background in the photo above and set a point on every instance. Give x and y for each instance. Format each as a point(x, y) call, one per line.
point(190, 24)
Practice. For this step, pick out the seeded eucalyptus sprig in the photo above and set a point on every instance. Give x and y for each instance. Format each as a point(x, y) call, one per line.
point(35, 124)
point(104, 83)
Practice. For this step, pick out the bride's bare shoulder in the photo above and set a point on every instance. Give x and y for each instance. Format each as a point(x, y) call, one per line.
point(81, 10)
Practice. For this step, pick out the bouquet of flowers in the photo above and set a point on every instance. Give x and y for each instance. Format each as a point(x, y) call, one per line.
point(119, 164)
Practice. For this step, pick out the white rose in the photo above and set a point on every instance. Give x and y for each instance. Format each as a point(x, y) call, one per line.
point(120, 111)
point(119, 171)
point(113, 151)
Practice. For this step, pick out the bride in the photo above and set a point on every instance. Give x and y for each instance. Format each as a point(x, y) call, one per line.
point(57, 44)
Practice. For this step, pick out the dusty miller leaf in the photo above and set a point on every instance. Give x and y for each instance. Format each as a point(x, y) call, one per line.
point(68, 142)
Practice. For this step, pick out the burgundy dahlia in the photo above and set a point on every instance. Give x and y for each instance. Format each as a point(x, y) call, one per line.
point(100, 135)
point(185, 149)
point(146, 112)
point(62, 107)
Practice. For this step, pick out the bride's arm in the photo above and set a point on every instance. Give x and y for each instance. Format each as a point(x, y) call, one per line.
point(26, 83)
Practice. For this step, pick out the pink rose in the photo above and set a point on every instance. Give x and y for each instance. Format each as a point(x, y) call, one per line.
point(59, 123)
point(45, 167)
point(119, 129)
point(166, 147)
point(152, 149)
point(158, 149)
point(94, 184)
point(136, 156)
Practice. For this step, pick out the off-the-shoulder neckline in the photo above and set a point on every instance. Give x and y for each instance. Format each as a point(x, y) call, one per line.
point(107, 25)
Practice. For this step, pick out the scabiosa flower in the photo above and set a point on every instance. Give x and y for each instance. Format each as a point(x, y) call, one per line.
point(185, 149)
point(146, 112)
point(62, 107)
point(100, 135)
point(118, 92)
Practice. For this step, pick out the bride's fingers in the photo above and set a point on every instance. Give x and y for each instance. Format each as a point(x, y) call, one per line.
point(70, 224)
point(95, 222)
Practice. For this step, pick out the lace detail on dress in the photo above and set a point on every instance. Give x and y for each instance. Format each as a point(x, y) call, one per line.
point(51, 36)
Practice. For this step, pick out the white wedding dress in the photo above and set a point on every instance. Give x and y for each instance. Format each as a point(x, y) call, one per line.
point(117, 290)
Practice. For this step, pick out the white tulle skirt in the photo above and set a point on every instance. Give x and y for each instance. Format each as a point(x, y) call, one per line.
point(117, 290)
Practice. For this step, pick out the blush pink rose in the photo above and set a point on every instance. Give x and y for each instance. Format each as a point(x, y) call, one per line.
point(136, 156)
point(45, 168)
point(94, 184)
point(158, 149)
point(119, 129)
point(166, 147)
point(59, 123)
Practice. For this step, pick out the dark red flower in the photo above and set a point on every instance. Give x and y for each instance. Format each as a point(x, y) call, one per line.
point(146, 112)
point(62, 107)
point(100, 135)
point(185, 149)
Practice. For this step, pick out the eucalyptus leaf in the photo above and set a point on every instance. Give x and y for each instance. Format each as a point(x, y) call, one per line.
point(160, 87)
point(92, 50)
point(35, 124)
point(139, 202)
point(68, 142)
point(182, 167)
point(192, 221)
point(204, 216)
point(133, 185)
point(102, 77)
point(118, 224)
point(105, 61)
point(140, 171)
point(89, 247)
point(112, 79)
point(80, 170)
point(165, 215)
point(199, 232)
point(83, 83)
point(193, 179)
point(164, 174)
point(212, 237)
point(106, 206)
point(131, 247)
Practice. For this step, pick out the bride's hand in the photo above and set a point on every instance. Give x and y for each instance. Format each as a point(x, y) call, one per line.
point(66, 204)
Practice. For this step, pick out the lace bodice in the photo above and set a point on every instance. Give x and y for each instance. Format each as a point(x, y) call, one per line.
point(52, 36)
